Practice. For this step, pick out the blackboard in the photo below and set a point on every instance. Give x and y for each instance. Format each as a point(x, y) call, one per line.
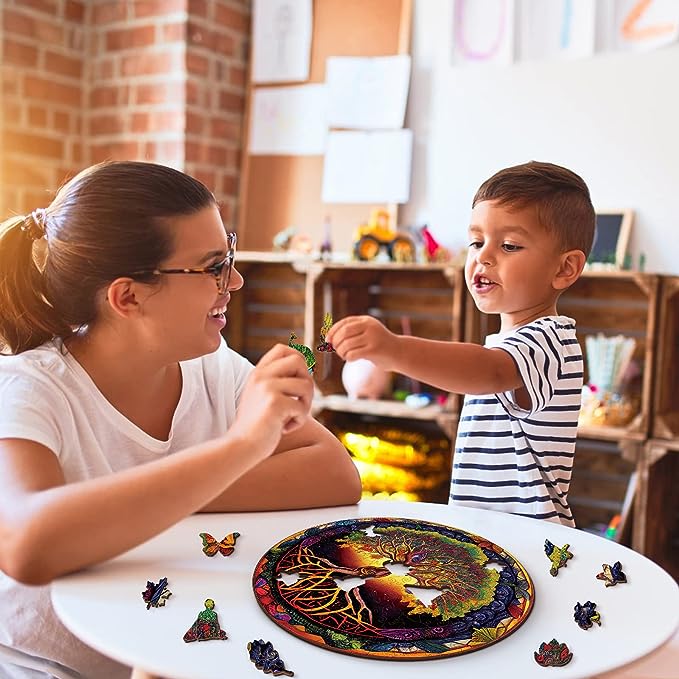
point(611, 237)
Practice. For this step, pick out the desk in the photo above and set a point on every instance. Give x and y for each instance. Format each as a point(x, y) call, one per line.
point(104, 608)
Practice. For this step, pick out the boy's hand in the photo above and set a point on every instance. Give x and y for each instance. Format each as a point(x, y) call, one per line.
point(276, 400)
point(357, 337)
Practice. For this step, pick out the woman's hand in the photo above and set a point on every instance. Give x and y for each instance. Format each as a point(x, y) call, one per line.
point(276, 400)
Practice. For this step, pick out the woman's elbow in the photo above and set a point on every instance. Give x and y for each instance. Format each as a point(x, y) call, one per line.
point(347, 481)
point(24, 563)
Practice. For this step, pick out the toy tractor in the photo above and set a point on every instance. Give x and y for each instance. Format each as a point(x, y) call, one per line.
point(378, 235)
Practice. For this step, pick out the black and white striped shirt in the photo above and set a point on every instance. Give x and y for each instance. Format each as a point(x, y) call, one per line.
point(515, 460)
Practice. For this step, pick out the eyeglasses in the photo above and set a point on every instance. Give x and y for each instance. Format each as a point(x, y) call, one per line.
point(221, 270)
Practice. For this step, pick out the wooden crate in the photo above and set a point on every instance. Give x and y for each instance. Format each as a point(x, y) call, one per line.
point(269, 306)
point(430, 296)
point(656, 525)
point(420, 474)
point(619, 303)
point(665, 393)
point(604, 484)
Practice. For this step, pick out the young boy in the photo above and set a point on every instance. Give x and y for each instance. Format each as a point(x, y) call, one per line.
point(532, 227)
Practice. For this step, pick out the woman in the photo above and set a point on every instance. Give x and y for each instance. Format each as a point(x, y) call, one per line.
point(122, 410)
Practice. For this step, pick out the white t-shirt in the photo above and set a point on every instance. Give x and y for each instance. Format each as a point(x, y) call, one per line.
point(46, 396)
point(520, 460)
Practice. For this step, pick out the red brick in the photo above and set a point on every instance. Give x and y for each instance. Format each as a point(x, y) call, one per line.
point(224, 129)
point(231, 18)
point(158, 93)
point(107, 124)
point(150, 63)
point(32, 144)
point(19, 53)
point(167, 121)
point(62, 122)
point(104, 13)
point(116, 151)
point(37, 116)
point(42, 89)
point(12, 113)
point(231, 102)
point(208, 177)
point(129, 38)
point(226, 45)
point(229, 186)
point(217, 156)
point(44, 6)
point(237, 76)
point(17, 23)
point(74, 10)
point(193, 93)
point(11, 81)
point(197, 64)
point(105, 69)
point(139, 122)
point(46, 31)
point(196, 151)
point(195, 123)
point(63, 65)
point(198, 8)
point(174, 32)
point(157, 8)
point(200, 36)
point(103, 96)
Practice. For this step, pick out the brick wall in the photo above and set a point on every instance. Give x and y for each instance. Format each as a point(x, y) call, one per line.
point(136, 81)
point(89, 80)
point(216, 62)
point(41, 71)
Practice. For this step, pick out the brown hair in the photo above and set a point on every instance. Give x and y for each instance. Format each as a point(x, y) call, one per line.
point(560, 196)
point(108, 221)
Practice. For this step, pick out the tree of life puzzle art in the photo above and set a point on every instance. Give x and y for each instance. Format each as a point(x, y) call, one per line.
point(358, 586)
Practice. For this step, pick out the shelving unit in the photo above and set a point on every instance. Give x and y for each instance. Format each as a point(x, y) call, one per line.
point(285, 293)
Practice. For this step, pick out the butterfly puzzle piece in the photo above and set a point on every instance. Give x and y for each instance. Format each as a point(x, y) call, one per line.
point(206, 626)
point(612, 574)
point(224, 547)
point(266, 658)
point(156, 595)
point(586, 615)
point(558, 556)
point(309, 357)
point(552, 654)
point(324, 345)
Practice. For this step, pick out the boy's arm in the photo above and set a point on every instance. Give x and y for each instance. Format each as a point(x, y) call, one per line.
point(309, 468)
point(458, 367)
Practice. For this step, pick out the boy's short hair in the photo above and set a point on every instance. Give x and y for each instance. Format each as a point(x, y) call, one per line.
point(560, 196)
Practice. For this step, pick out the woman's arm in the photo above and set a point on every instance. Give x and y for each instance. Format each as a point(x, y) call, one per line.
point(49, 527)
point(310, 468)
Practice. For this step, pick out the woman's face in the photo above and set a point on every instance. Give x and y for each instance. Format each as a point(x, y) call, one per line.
point(186, 312)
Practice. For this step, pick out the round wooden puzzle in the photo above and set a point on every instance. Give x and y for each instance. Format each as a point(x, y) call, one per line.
point(391, 588)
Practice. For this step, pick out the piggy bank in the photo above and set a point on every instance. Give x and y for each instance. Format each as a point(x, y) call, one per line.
point(363, 379)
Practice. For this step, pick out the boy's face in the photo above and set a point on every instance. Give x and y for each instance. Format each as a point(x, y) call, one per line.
point(511, 263)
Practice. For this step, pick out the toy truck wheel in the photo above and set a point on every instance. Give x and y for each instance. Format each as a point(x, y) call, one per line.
point(366, 248)
point(402, 250)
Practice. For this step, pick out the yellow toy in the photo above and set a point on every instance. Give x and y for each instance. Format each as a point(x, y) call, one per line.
point(370, 238)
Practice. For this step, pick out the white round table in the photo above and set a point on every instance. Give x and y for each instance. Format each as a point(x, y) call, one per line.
point(104, 608)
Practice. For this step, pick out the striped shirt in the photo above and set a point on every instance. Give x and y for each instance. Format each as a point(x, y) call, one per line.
point(515, 460)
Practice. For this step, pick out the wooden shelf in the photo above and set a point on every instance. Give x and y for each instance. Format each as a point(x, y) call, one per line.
point(603, 433)
point(445, 419)
point(382, 408)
